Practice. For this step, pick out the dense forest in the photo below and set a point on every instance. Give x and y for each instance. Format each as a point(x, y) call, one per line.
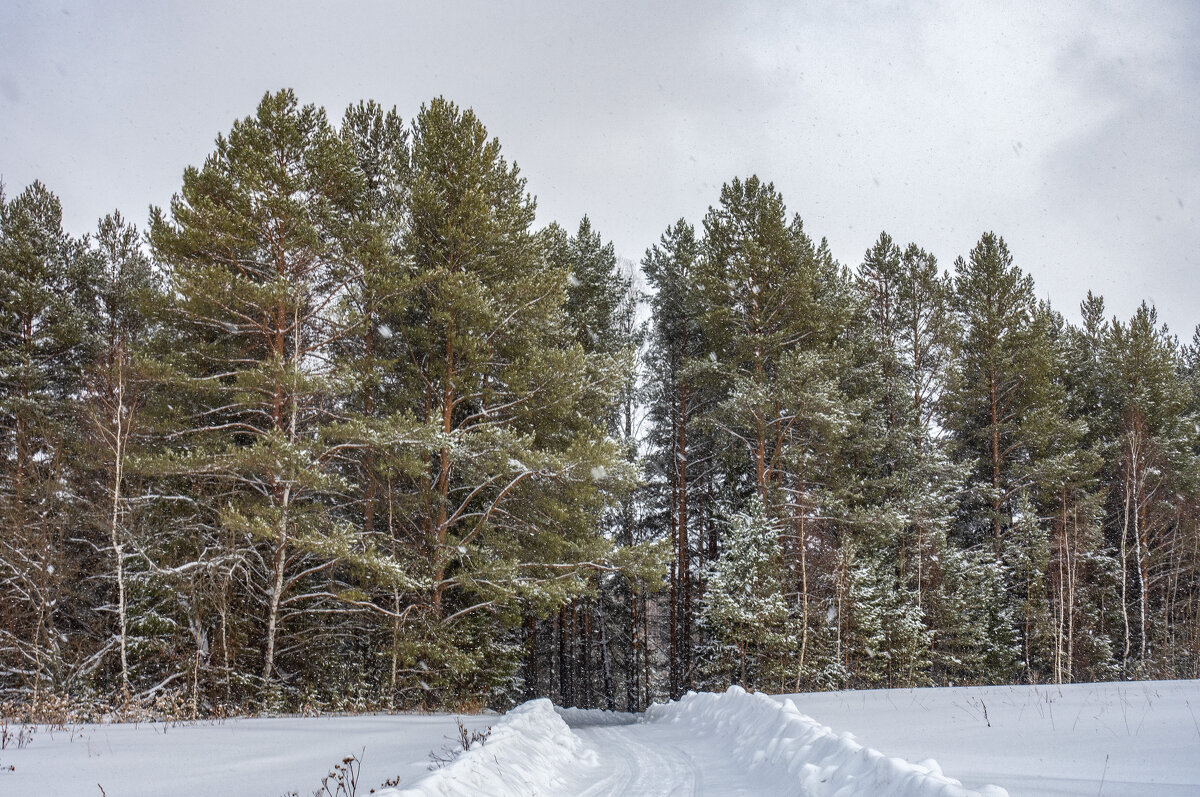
point(342, 428)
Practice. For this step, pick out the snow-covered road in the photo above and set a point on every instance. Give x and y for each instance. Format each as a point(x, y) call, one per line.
point(637, 759)
point(656, 760)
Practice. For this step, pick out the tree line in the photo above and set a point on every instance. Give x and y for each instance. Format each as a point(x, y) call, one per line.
point(343, 428)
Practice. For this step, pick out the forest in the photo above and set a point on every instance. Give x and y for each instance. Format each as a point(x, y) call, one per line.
point(343, 429)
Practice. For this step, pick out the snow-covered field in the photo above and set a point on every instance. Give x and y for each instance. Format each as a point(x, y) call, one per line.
point(1139, 738)
point(254, 757)
point(1084, 739)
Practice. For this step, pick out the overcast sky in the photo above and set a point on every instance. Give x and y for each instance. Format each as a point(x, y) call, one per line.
point(1069, 128)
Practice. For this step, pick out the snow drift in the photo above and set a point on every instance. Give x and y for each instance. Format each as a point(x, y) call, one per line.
point(765, 734)
point(532, 751)
point(528, 752)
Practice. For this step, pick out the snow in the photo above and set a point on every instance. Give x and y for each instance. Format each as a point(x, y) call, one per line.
point(790, 753)
point(1110, 739)
point(531, 751)
point(1085, 739)
point(728, 743)
point(259, 757)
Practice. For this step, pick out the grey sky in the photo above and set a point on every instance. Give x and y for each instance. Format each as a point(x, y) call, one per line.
point(1069, 128)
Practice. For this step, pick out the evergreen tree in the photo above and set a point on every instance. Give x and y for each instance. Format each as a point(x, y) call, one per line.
point(1068, 502)
point(45, 318)
point(601, 308)
point(507, 502)
point(1147, 399)
point(256, 250)
point(744, 605)
point(383, 436)
point(758, 277)
point(995, 385)
point(129, 298)
point(981, 646)
point(787, 388)
point(678, 393)
point(889, 636)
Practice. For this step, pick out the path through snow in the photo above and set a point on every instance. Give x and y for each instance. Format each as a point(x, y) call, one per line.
point(705, 744)
point(652, 759)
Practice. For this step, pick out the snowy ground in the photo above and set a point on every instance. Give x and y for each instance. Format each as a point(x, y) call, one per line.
point(1107, 740)
point(1114, 739)
point(255, 757)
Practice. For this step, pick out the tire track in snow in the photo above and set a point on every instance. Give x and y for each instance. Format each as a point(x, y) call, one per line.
point(635, 764)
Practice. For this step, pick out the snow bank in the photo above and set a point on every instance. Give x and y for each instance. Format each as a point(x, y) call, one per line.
point(765, 734)
point(532, 751)
point(529, 751)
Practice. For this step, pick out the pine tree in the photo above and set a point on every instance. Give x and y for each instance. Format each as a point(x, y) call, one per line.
point(1147, 399)
point(758, 278)
point(910, 496)
point(601, 309)
point(1064, 463)
point(993, 388)
point(256, 252)
point(676, 396)
point(507, 502)
point(380, 426)
point(45, 317)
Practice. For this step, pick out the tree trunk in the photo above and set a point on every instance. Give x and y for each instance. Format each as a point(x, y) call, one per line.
point(684, 569)
point(994, 407)
point(443, 482)
point(610, 698)
point(115, 525)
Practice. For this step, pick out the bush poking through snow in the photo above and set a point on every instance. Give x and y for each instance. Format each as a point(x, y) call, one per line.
point(467, 738)
point(342, 780)
point(20, 739)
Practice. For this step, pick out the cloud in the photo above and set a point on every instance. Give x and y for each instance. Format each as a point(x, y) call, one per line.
point(934, 120)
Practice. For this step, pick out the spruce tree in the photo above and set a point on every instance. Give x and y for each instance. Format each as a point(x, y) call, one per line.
point(744, 607)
